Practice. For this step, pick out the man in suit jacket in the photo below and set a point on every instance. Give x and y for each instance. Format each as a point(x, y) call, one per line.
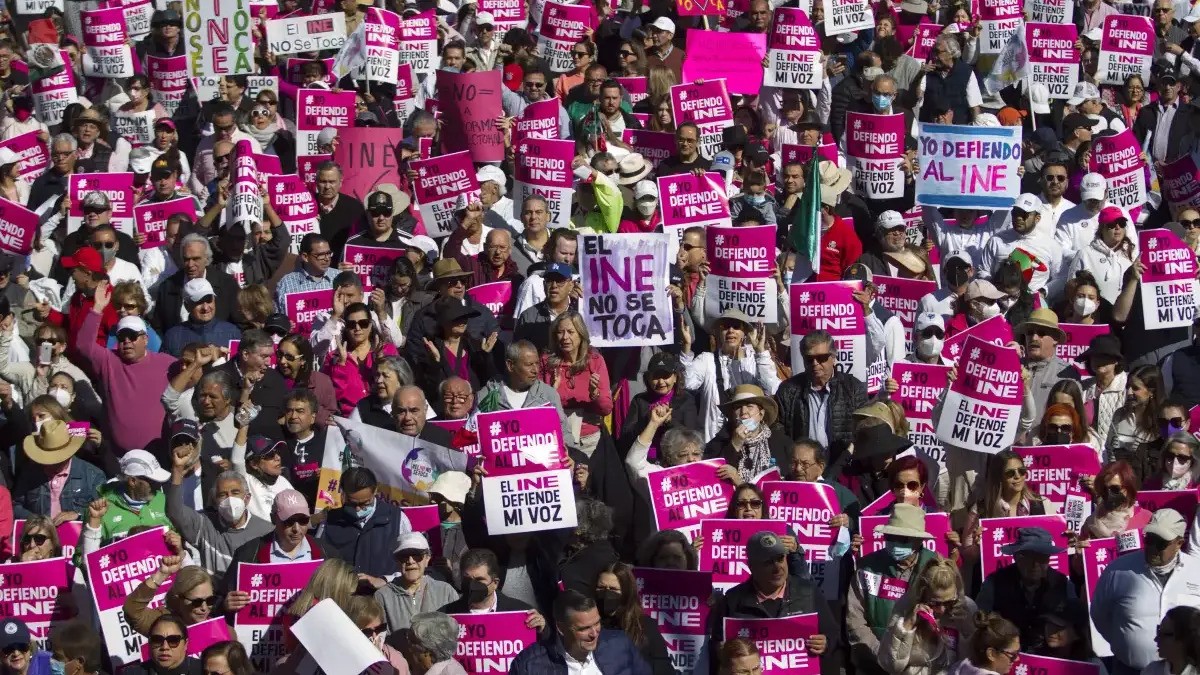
point(1166, 135)
point(196, 263)
point(480, 572)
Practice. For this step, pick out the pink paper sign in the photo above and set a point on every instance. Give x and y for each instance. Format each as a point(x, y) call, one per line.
point(724, 550)
point(319, 109)
point(150, 218)
point(1119, 159)
point(543, 169)
point(655, 146)
point(302, 308)
point(998, 532)
point(563, 25)
point(708, 107)
point(1053, 59)
point(736, 57)
point(31, 153)
point(875, 147)
point(113, 572)
point(168, 80)
point(372, 263)
point(39, 593)
point(794, 57)
point(830, 306)
point(921, 387)
point(1054, 468)
point(1078, 337)
point(1181, 181)
point(1126, 48)
point(259, 625)
point(520, 441)
point(51, 95)
point(18, 226)
point(539, 120)
point(982, 408)
point(440, 182)
point(1046, 665)
point(807, 509)
point(118, 187)
point(470, 104)
point(902, 297)
point(742, 275)
point(1183, 501)
point(200, 636)
point(924, 37)
point(994, 330)
point(488, 643)
point(497, 296)
point(684, 495)
point(294, 204)
point(782, 643)
point(678, 601)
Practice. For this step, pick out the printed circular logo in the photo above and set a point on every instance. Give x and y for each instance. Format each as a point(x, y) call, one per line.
point(10, 628)
point(768, 541)
point(418, 470)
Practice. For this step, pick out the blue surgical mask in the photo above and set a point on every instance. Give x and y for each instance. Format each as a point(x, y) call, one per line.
point(57, 667)
point(841, 545)
point(751, 425)
point(881, 101)
point(133, 503)
point(787, 277)
point(899, 551)
point(364, 514)
point(756, 200)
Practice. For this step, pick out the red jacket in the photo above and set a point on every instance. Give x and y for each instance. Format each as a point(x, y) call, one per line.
point(78, 310)
point(840, 248)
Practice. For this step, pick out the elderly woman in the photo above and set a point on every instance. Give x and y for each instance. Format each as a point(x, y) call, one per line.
point(930, 625)
point(750, 442)
point(12, 187)
point(367, 614)
point(580, 375)
point(391, 373)
point(39, 541)
point(432, 641)
point(264, 126)
point(679, 446)
point(666, 404)
point(129, 299)
point(1179, 468)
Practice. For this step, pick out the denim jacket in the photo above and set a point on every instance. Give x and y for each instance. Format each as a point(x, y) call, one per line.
point(31, 494)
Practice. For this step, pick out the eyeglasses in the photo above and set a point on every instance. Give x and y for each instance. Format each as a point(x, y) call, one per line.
point(267, 103)
point(941, 604)
point(911, 486)
point(35, 539)
point(818, 358)
point(224, 130)
point(220, 159)
point(171, 641)
point(360, 324)
point(579, 55)
point(749, 503)
point(258, 112)
point(1041, 333)
point(372, 632)
point(1012, 656)
point(410, 556)
point(128, 336)
point(626, 54)
point(933, 332)
point(1054, 178)
point(456, 398)
point(691, 247)
point(534, 85)
point(1060, 428)
point(195, 603)
point(1013, 473)
point(322, 255)
point(1162, 10)
point(1173, 421)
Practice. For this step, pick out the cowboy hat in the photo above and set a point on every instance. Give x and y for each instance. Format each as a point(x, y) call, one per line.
point(1041, 318)
point(906, 521)
point(386, 194)
point(92, 115)
point(446, 268)
point(632, 168)
point(52, 444)
point(751, 393)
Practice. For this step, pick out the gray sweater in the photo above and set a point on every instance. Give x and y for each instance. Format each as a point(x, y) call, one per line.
point(399, 607)
point(205, 531)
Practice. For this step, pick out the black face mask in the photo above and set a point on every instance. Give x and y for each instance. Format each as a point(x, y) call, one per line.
point(477, 591)
point(608, 602)
point(1057, 438)
point(1113, 501)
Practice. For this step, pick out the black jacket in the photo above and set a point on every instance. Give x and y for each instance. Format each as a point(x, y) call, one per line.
point(370, 547)
point(1187, 116)
point(503, 604)
point(850, 94)
point(259, 551)
point(1010, 601)
point(49, 184)
point(335, 225)
point(802, 596)
point(578, 571)
point(684, 415)
point(190, 666)
point(846, 394)
point(168, 300)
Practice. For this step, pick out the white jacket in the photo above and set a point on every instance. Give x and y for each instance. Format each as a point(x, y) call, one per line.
point(1107, 265)
point(1077, 228)
point(701, 378)
point(1129, 602)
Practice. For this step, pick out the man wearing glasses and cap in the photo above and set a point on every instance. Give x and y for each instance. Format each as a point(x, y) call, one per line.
point(1137, 589)
point(290, 542)
point(534, 87)
point(1168, 120)
point(97, 210)
point(388, 221)
point(665, 53)
point(483, 55)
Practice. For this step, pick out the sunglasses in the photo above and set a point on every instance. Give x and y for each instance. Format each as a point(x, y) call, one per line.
point(818, 358)
point(1115, 225)
point(259, 112)
point(128, 336)
point(1054, 178)
point(413, 556)
point(941, 604)
point(579, 55)
point(691, 247)
point(1167, 458)
point(288, 356)
point(12, 649)
point(1041, 333)
point(749, 503)
point(1114, 490)
point(911, 486)
point(220, 159)
point(223, 130)
point(1019, 471)
point(1060, 428)
point(1173, 421)
point(171, 641)
point(933, 332)
point(1189, 224)
point(360, 324)
point(535, 85)
point(35, 539)
point(268, 456)
point(195, 603)
point(296, 520)
point(95, 210)
point(372, 632)
point(129, 306)
point(626, 54)
point(98, 245)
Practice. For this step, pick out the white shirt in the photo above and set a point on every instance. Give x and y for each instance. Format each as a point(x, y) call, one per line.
point(586, 667)
point(1077, 228)
point(952, 239)
point(1160, 141)
point(1051, 213)
point(1045, 249)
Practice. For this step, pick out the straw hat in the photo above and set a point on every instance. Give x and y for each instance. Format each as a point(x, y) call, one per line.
point(52, 444)
point(906, 521)
point(1041, 318)
point(751, 393)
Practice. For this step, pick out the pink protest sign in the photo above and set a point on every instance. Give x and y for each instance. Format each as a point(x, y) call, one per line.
point(902, 297)
point(924, 37)
point(508, 13)
point(1169, 282)
point(724, 550)
point(427, 519)
point(440, 182)
point(539, 120)
point(306, 167)
point(51, 95)
point(636, 87)
point(418, 43)
point(794, 57)
point(463, 438)
point(150, 218)
point(684, 495)
point(655, 146)
point(807, 509)
point(266, 165)
point(736, 57)
point(1119, 159)
point(520, 441)
point(921, 386)
point(742, 273)
point(1126, 48)
point(105, 38)
point(470, 104)
point(994, 330)
point(999, 19)
point(294, 204)
point(381, 39)
point(1097, 556)
point(1057, 12)
point(118, 187)
point(830, 306)
point(874, 148)
point(38, 593)
point(678, 601)
point(1078, 337)
point(686, 200)
point(302, 308)
point(371, 263)
point(18, 225)
point(1181, 181)
point(68, 532)
point(543, 168)
point(113, 572)
point(259, 625)
point(1053, 60)
point(781, 642)
point(801, 154)
point(999, 532)
point(31, 153)
point(708, 107)
point(1054, 468)
point(562, 26)
point(245, 207)
point(1047, 665)
point(936, 524)
point(1183, 501)
point(488, 643)
point(702, 8)
point(497, 297)
point(983, 405)
point(200, 636)
point(319, 109)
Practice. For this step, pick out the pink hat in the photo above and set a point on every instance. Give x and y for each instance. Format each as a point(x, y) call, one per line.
point(1111, 214)
point(289, 504)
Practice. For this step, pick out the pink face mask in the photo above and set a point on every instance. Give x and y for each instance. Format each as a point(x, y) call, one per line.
point(22, 114)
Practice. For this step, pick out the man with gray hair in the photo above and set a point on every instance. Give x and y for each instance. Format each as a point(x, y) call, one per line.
point(52, 185)
point(432, 642)
point(195, 262)
point(409, 413)
point(948, 78)
point(817, 403)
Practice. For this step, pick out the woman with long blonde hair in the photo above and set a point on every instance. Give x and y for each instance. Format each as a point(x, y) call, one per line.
point(580, 375)
point(931, 625)
point(334, 579)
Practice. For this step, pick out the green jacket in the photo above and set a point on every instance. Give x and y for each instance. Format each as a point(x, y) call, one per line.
point(606, 217)
point(119, 519)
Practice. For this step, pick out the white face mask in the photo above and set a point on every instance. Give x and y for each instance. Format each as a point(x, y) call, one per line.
point(62, 396)
point(1179, 469)
point(646, 207)
point(1164, 570)
point(1085, 306)
point(988, 311)
point(928, 348)
point(231, 509)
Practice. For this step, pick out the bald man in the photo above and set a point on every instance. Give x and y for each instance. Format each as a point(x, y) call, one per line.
point(495, 263)
point(409, 413)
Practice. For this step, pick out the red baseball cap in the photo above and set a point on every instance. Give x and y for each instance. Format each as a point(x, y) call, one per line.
point(86, 257)
point(1111, 214)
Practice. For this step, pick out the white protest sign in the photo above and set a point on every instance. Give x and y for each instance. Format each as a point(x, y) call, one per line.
point(306, 33)
point(625, 300)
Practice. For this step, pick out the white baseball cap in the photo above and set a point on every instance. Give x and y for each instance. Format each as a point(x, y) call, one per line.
point(485, 19)
point(488, 172)
point(927, 319)
point(1092, 186)
point(664, 24)
point(411, 541)
point(1028, 203)
point(889, 220)
point(1039, 99)
point(645, 188)
point(1084, 91)
point(196, 289)
point(134, 323)
point(142, 464)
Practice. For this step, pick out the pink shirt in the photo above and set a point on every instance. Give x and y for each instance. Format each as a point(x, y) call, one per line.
point(575, 390)
point(57, 482)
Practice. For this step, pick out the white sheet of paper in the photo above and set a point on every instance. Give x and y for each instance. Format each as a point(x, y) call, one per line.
point(334, 642)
